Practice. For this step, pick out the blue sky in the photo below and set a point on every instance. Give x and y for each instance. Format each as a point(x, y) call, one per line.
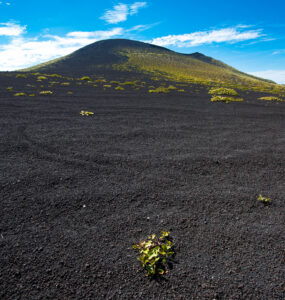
point(248, 35)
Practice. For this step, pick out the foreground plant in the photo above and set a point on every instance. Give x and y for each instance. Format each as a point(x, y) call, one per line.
point(154, 253)
point(264, 200)
point(86, 113)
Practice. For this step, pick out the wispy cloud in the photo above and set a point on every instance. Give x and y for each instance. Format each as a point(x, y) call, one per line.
point(121, 11)
point(134, 8)
point(229, 35)
point(22, 52)
point(276, 75)
point(11, 29)
point(281, 51)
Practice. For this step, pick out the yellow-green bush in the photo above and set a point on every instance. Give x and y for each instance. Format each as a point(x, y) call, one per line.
point(85, 78)
point(65, 83)
point(223, 91)
point(270, 98)
point(225, 99)
point(119, 88)
point(40, 78)
point(9, 88)
point(20, 94)
point(160, 89)
point(46, 93)
point(21, 76)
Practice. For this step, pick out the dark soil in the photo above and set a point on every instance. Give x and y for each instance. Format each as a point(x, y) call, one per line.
point(76, 193)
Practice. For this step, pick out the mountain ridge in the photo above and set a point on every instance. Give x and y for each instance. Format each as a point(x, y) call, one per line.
point(130, 55)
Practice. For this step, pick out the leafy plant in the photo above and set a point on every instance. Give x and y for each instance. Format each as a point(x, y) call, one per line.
point(154, 253)
point(223, 91)
point(85, 78)
point(46, 93)
point(20, 94)
point(21, 76)
point(9, 88)
point(264, 200)
point(270, 98)
point(225, 99)
point(40, 78)
point(86, 113)
point(119, 88)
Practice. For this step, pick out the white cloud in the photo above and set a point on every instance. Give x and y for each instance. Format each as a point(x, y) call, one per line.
point(134, 8)
point(11, 29)
point(120, 12)
point(276, 75)
point(230, 35)
point(23, 52)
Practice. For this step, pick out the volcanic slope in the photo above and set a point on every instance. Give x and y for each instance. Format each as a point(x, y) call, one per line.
point(123, 55)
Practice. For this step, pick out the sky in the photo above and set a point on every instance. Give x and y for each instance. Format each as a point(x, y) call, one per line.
point(248, 35)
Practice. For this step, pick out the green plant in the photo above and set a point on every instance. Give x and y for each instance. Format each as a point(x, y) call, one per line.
point(65, 83)
point(223, 91)
point(20, 94)
point(225, 99)
point(46, 93)
point(40, 78)
point(270, 98)
point(9, 88)
point(160, 89)
point(86, 113)
point(264, 200)
point(85, 78)
point(21, 76)
point(119, 88)
point(154, 253)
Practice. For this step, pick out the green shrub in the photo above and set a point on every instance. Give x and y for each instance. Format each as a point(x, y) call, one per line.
point(21, 76)
point(154, 253)
point(9, 88)
point(119, 88)
point(20, 94)
point(264, 200)
point(223, 91)
point(225, 99)
point(65, 83)
point(85, 78)
point(46, 93)
point(160, 89)
point(107, 85)
point(270, 98)
point(40, 78)
point(86, 113)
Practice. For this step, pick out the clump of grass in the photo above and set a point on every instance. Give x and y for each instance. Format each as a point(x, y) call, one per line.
point(160, 89)
point(107, 85)
point(21, 76)
point(223, 91)
point(86, 113)
point(100, 80)
point(40, 78)
point(270, 98)
point(32, 95)
point(65, 83)
point(46, 93)
point(9, 88)
point(181, 90)
point(87, 78)
point(154, 253)
point(225, 99)
point(171, 87)
point(265, 200)
point(20, 94)
point(69, 93)
point(119, 88)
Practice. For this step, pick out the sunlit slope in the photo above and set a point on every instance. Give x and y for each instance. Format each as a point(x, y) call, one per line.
point(133, 56)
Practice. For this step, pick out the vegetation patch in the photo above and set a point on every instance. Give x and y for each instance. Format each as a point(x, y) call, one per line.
point(119, 88)
point(154, 253)
point(46, 93)
point(20, 94)
point(87, 78)
point(225, 99)
point(40, 78)
point(86, 113)
point(223, 91)
point(21, 76)
point(9, 88)
point(265, 200)
point(270, 98)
